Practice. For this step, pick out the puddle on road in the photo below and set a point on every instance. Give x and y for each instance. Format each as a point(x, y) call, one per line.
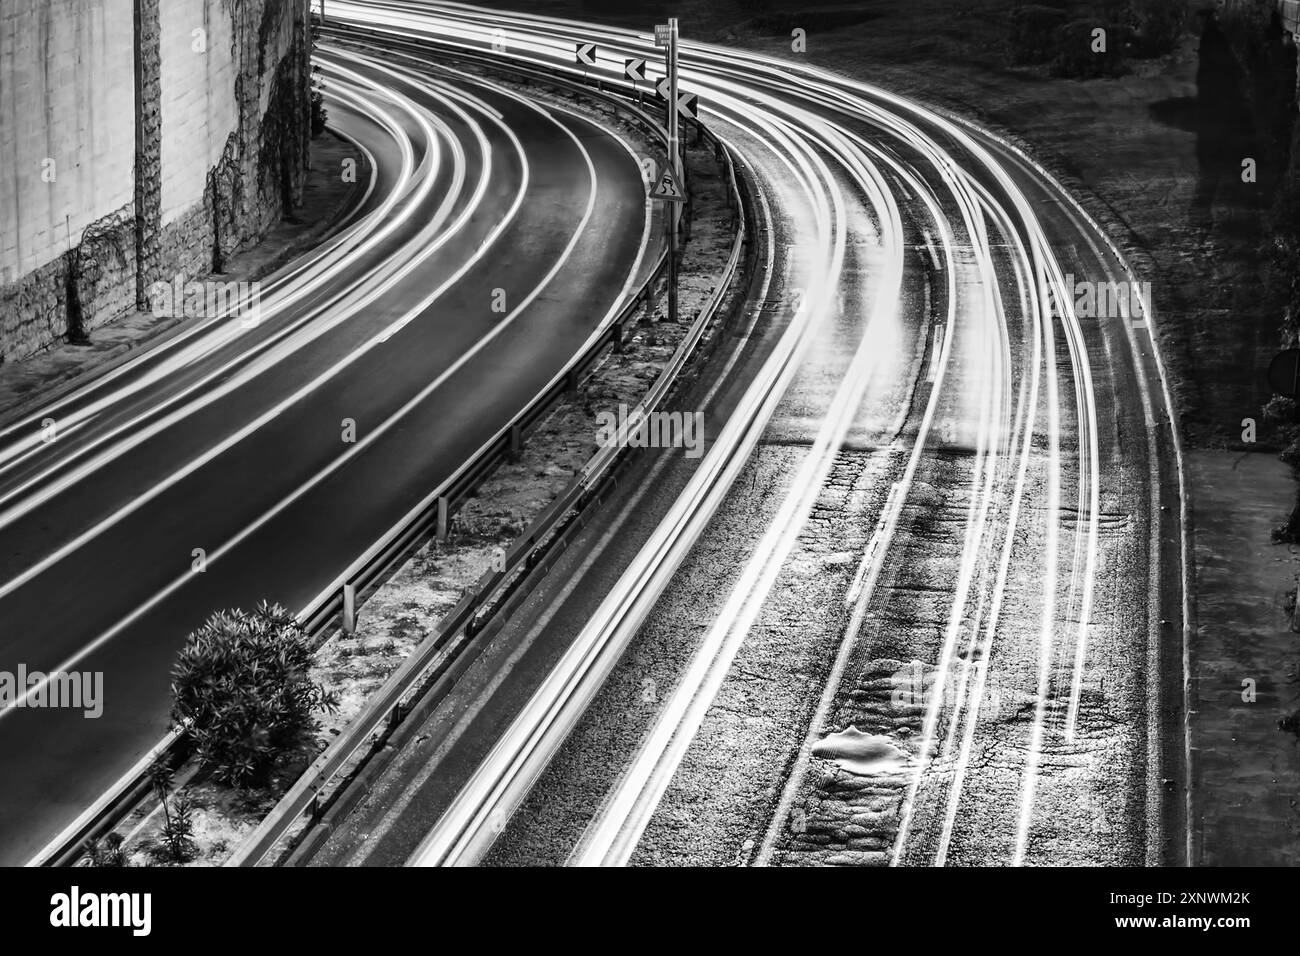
point(861, 753)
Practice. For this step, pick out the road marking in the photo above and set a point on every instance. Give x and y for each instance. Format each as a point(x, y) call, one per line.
point(935, 350)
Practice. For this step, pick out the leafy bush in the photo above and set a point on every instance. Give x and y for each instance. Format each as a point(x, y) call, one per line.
point(242, 683)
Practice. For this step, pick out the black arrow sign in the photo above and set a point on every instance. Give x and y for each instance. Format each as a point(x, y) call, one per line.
point(634, 70)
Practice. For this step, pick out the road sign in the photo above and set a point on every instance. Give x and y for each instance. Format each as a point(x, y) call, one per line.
point(667, 188)
point(634, 70)
point(585, 53)
point(661, 87)
point(688, 105)
point(661, 34)
point(1283, 372)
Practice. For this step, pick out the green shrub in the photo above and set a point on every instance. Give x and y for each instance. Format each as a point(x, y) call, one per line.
point(242, 683)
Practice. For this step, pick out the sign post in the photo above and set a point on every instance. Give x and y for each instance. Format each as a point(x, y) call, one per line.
point(675, 164)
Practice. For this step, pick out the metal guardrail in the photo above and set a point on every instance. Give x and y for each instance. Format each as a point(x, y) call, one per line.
point(383, 712)
point(437, 509)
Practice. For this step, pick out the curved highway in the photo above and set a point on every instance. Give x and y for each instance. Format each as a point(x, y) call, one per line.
point(1016, 535)
point(493, 239)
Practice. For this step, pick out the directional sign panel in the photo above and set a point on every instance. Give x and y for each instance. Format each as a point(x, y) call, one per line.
point(662, 87)
point(688, 105)
point(585, 53)
point(667, 188)
point(661, 34)
point(634, 70)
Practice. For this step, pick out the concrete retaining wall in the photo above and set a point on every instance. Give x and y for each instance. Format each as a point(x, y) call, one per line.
point(139, 139)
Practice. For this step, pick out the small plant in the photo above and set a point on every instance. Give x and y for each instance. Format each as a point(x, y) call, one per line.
point(176, 841)
point(160, 778)
point(242, 686)
point(106, 851)
point(319, 115)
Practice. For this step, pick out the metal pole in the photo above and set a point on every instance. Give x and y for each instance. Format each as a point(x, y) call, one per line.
point(349, 609)
point(675, 163)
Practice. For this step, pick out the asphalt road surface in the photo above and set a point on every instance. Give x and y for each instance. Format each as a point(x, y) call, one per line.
point(495, 239)
point(1009, 532)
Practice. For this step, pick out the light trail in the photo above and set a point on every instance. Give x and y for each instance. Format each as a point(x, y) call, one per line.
point(353, 450)
point(765, 101)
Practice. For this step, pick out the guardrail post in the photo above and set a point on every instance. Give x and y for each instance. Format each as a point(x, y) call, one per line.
point(620, 330)
point(349, 609)
point(442, 518)
point(516, 440)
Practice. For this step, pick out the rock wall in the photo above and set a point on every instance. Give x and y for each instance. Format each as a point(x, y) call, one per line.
point(140, 139)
